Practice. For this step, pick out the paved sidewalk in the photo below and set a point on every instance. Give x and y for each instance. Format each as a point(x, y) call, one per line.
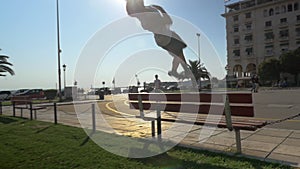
point(266, 144)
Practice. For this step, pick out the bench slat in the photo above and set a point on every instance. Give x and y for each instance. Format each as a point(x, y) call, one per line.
point(245, 98)
point(208, 123)
point(244, 111)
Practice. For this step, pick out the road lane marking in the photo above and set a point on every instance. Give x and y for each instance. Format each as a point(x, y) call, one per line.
point(116, 111)
point(280, 106)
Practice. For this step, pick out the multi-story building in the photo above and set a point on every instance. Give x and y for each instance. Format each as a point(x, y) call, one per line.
point(258, 30)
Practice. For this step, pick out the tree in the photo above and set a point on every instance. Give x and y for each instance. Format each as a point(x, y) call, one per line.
point(198, 70)
point(269, 70)
point(290, 62)
point(5, 66)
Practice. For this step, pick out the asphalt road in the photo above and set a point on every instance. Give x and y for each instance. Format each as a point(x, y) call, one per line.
point(273, 105)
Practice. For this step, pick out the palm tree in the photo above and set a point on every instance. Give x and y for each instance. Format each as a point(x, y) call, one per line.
point(198, 70)
point(4, 66)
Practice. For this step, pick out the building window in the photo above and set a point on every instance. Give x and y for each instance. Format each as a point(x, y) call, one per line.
point(248, 15)
point(284, 33)
point(236, 41)
point(235, 18)
point(284, 47)
point(297, 31)
point(296, 6)
point(236, 53)
point(277, 10)
point(268, 23)
point(283, 20)
point(248, 26)
point(271, 12)
point(236, 29)
point(249, 51)
point(283, 9)
point(269, 50)
point(265, 13)
point(248, 38)
point(290, 7)
point(269, 36)
point(298, 18)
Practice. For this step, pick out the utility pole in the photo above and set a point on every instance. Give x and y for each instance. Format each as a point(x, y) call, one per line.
point(58, 52)
point(198, 35)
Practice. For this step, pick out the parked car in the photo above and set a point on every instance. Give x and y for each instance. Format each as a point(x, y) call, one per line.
point(20, 91)
point(172, 88)
point(5, 95)
point(32, 93)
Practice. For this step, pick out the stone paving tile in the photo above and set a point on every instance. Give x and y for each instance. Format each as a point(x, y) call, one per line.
point(265, 139)
point(207, 131)
point(257, 145)
point(221, 141)
point(292, 142)
point(274, 132)
point(284, 159)
point(209, 146)
point(295, 135)
point(172, 133)
point(231, 134)
point(288, 150)
point(254, 153)
point(187, 141)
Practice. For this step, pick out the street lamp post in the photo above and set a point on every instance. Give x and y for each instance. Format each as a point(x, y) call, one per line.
point(198, 35)
point(58, 51)
point(64, 67)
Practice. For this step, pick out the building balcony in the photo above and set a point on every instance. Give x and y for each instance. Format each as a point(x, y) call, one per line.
point(236, 45)
point(237, 58)
point(250, 56)
point(269, 54)
point(283, 25)
point(283, 38)
point(269, 40)
point(248, 42)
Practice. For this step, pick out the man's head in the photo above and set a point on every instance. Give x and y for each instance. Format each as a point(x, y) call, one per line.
point(135, 6)
point(156, 76)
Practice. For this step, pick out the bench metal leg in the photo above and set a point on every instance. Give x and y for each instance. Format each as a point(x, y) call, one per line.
point(31, 115)
point(158, 124)
point(35, 117)
point(238, 141)
point(55, 113)
point(0, 108)
point(14, 110)
point(153, 128)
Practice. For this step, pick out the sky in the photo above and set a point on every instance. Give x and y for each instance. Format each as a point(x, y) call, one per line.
point(28, 35)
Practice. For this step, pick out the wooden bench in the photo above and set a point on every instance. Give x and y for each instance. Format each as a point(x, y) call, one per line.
point(25, 102)
point(231, 110)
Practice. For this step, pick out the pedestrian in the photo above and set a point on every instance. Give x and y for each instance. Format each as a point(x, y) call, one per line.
point(255, 83)
point(157, 84)
point(156, 20)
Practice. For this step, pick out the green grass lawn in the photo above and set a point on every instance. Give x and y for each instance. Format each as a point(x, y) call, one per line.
point(33, 144)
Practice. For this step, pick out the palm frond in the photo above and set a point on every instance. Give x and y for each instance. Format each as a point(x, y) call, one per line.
point(3, 58)
point(5, 63)
point(4, 68)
